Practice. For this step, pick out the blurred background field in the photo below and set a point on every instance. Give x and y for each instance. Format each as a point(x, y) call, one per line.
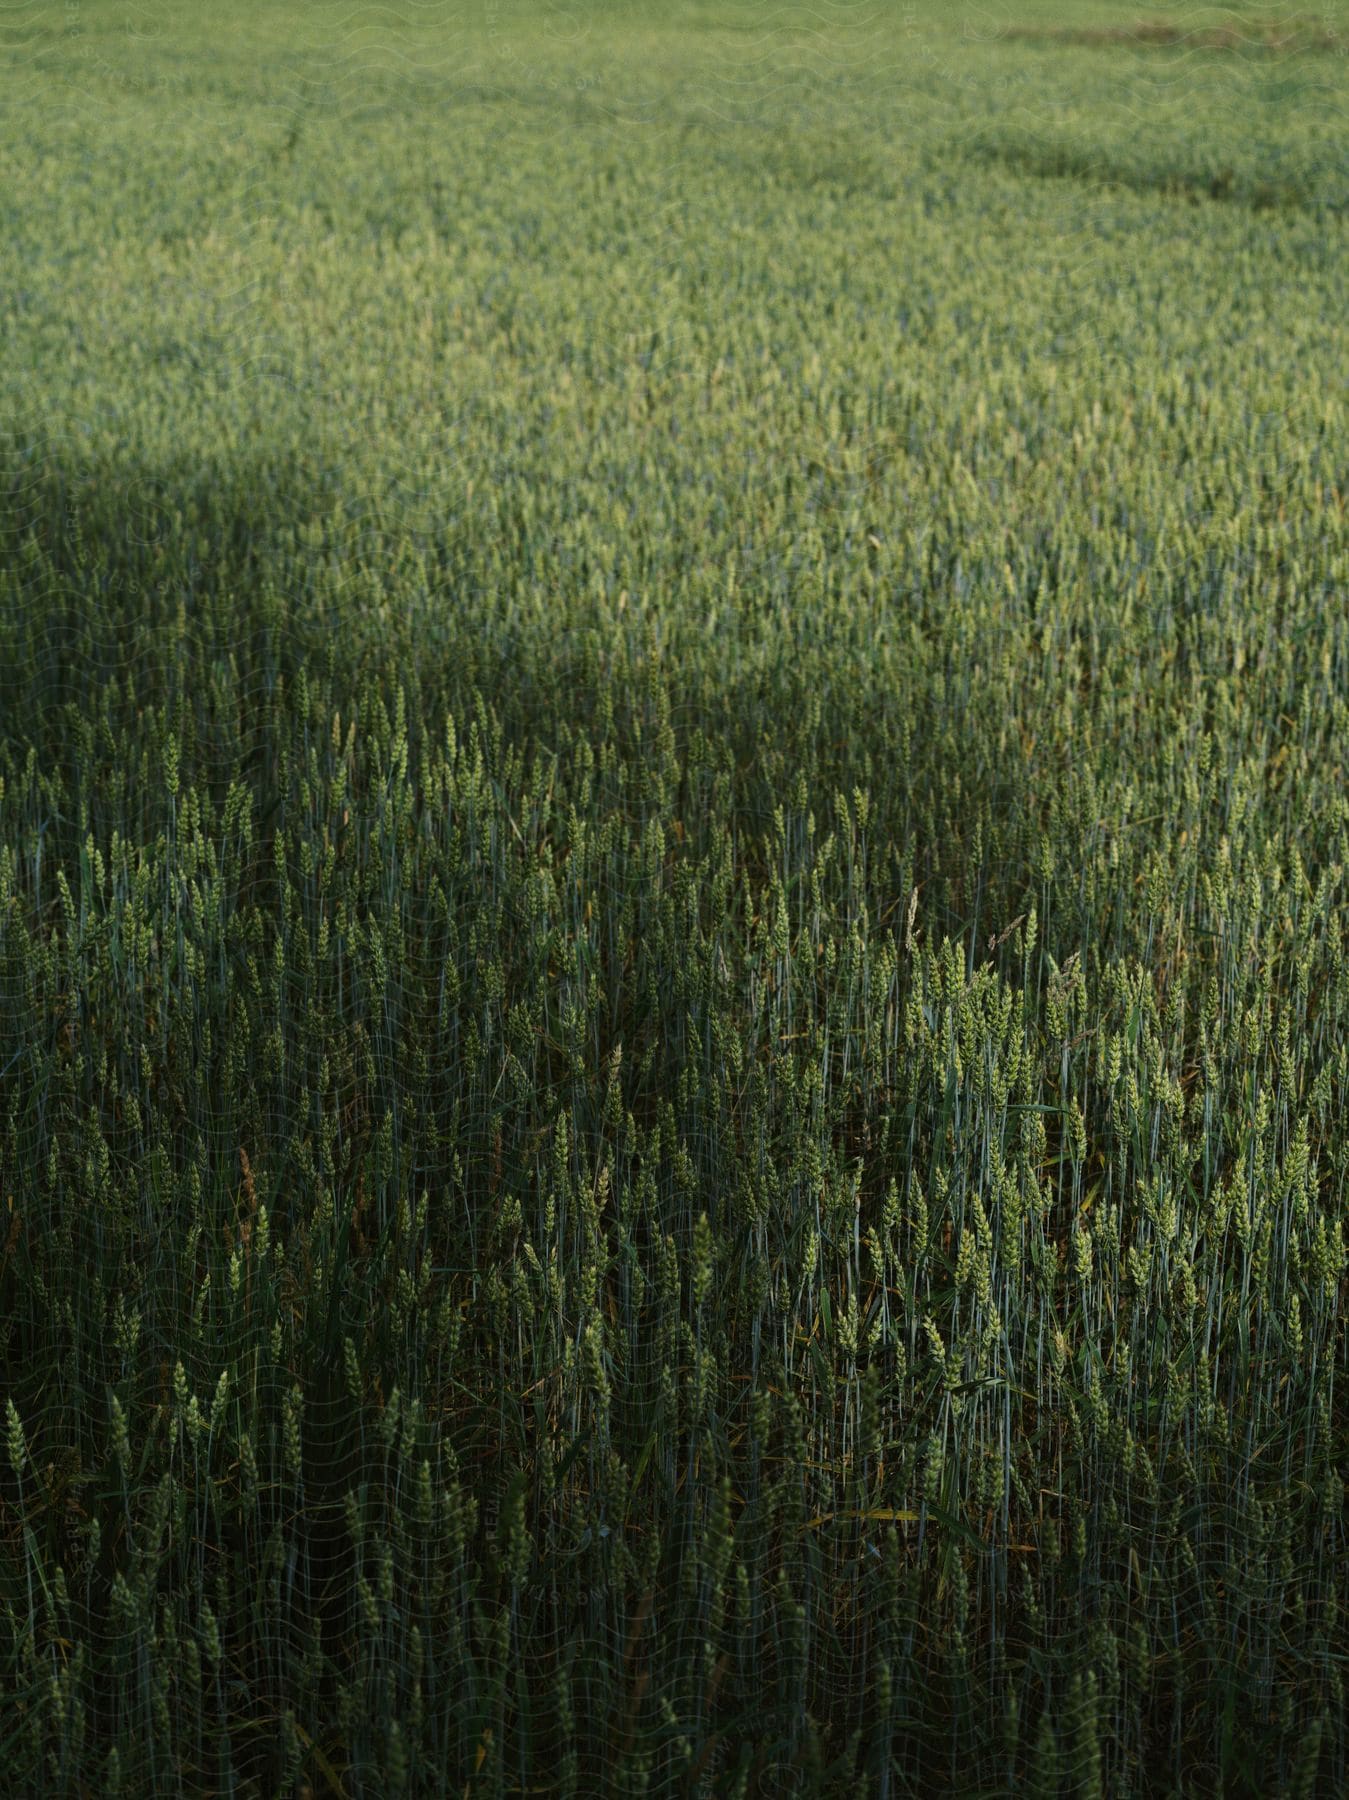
point(673, 836)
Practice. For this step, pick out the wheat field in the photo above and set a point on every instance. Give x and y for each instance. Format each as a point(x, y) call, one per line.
point(674, 708)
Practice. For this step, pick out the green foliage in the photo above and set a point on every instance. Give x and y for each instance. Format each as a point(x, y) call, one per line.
point(672, 872)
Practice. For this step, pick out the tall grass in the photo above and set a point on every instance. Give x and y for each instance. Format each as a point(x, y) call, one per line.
point(672, 976)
